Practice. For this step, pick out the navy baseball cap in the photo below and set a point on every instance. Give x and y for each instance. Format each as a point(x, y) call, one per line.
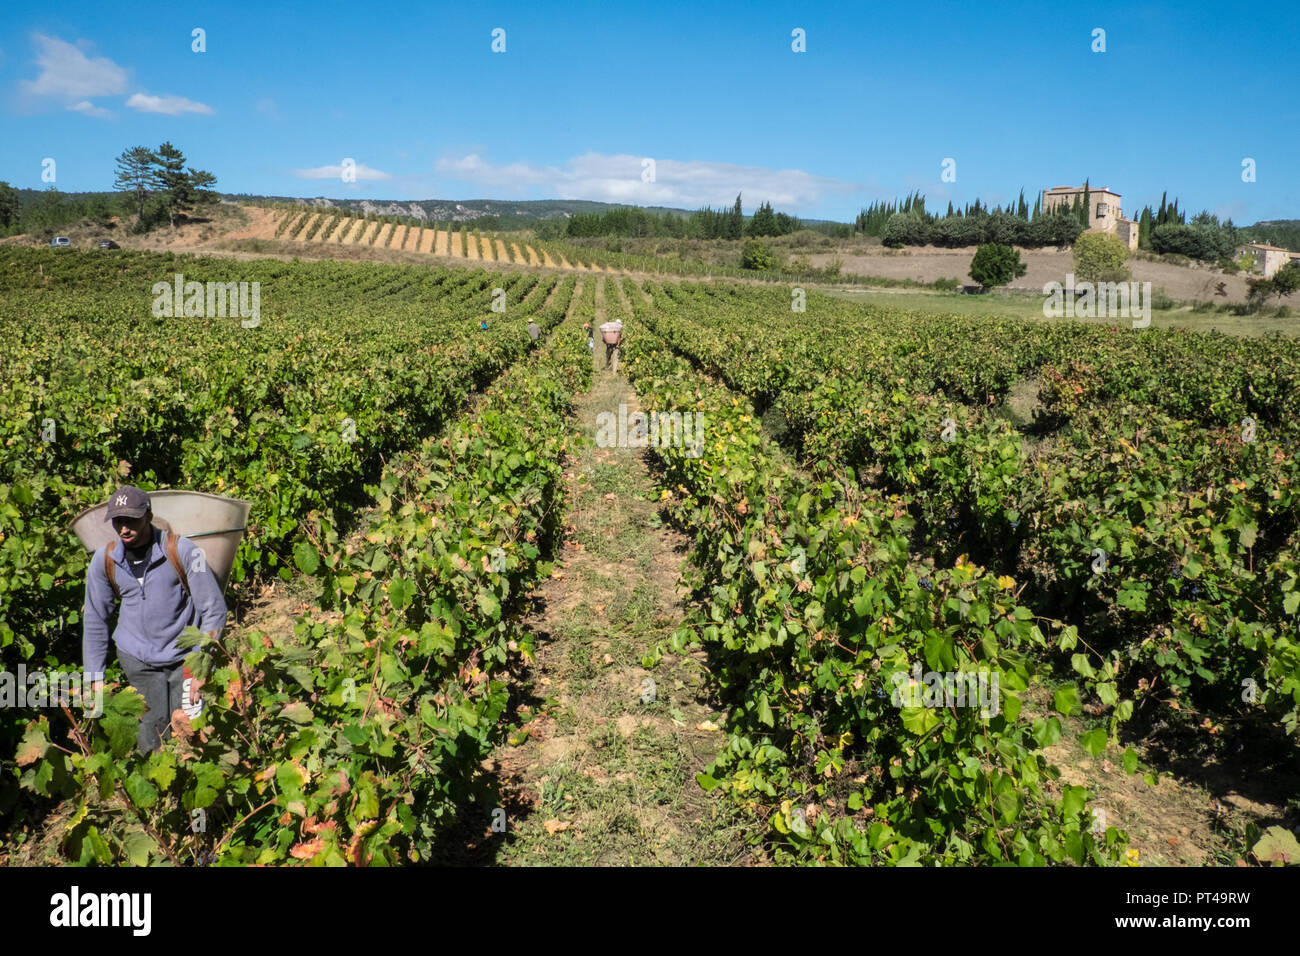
point(127, 502)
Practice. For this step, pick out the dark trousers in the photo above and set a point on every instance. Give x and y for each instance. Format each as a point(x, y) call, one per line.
point(161, 686)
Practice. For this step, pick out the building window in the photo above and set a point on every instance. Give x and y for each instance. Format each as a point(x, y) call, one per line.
point(1101, 209)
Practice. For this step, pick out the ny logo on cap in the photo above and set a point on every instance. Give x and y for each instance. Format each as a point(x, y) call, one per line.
point(121, 499)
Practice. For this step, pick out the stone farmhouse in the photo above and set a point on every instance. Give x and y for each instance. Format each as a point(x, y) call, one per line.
point(1104, 211)
point(1268, 259)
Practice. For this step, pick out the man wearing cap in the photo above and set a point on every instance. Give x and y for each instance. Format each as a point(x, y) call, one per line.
point(534, 330)
point(164, 586)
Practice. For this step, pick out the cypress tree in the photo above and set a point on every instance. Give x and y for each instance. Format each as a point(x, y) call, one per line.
point(1144, 229)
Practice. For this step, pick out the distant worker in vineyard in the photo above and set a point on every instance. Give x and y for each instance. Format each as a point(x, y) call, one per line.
point(145, 570)
point(612, 333)
point(534, 330)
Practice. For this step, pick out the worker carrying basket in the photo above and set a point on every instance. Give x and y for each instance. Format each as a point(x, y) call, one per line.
point(612, 333)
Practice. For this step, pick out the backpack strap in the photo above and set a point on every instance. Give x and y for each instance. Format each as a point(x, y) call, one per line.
point(110, 572)
point(172, 547)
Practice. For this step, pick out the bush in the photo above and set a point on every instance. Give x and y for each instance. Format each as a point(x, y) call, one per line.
point(947, 285)
point(1100, 257)
point(905, 229)
point(1287, 279)
point(1201, 240)
point(1160, 300)
point(1257, 292)
point(756, 256)
point(996, 265)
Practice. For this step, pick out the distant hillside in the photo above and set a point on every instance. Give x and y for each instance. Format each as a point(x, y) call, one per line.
point(1278, 232)
point(520, 214)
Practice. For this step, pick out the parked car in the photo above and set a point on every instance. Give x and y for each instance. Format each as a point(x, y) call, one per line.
point(109, 244)
point(60, 241)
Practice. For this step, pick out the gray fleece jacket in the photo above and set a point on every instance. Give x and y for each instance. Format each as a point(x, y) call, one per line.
point(152, 615)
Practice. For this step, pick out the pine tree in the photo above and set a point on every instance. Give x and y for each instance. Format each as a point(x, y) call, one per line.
point(135, 174)
point(169, 178)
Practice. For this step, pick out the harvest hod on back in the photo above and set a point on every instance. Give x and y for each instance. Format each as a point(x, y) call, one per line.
point(612, 333)
point(162, 586)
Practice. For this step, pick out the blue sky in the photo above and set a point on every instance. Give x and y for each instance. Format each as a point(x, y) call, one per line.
point(714, 94)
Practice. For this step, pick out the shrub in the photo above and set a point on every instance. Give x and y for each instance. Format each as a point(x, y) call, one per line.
point(1100, 257)
point(947, 285)
point(995, 265)
point(905, 229)
point(1287, 279)
point(755, 255)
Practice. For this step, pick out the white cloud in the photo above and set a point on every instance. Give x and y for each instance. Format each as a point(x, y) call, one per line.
point(88, 108)
point(170, 105)
point(67, 73)
point(266, 106)
point(688, 183)
point(336, 172)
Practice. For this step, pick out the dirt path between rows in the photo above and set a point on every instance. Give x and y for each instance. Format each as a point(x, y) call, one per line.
point(606, 775)
point(602, 769)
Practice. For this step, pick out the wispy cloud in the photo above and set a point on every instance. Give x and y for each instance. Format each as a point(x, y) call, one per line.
point(336, 172)
point(68, 74)
point(687, 183)
point(169, 105)
point(88, 108)
point(266, 106)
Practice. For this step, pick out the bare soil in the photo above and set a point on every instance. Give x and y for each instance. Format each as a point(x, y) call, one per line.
point(928, 263)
